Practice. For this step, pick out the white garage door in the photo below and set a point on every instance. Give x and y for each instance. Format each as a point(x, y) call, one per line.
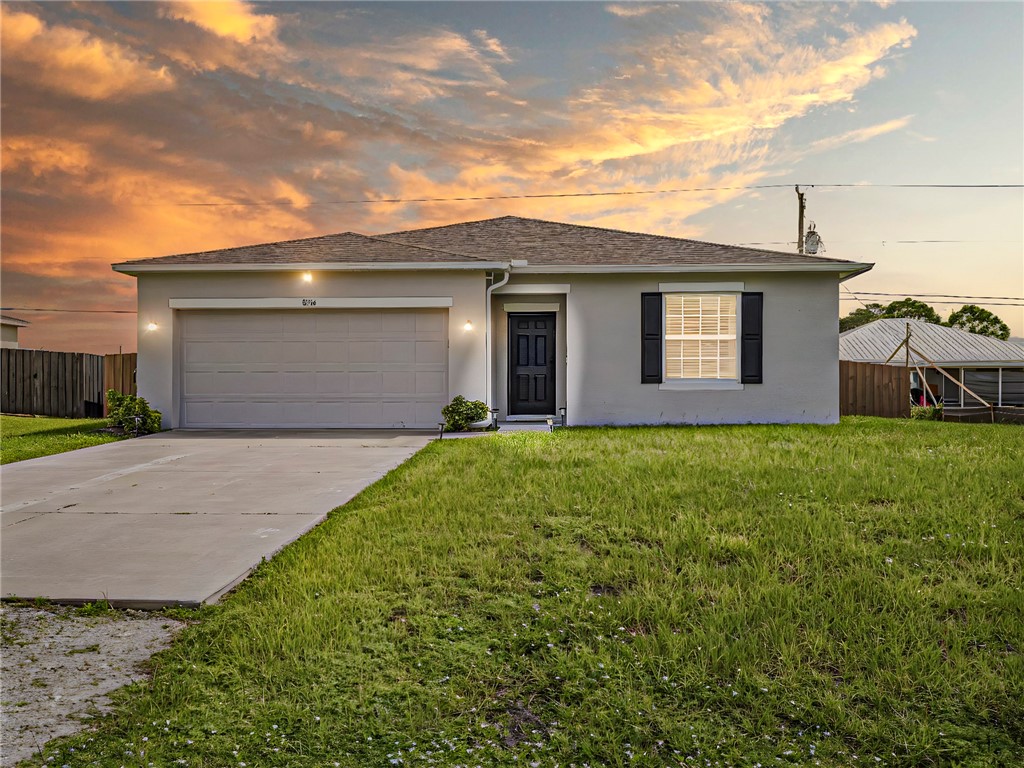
point(314, 368)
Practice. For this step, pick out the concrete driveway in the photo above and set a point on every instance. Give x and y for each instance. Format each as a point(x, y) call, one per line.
point(176, 518)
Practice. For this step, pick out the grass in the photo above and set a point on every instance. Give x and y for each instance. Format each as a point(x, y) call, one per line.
point(29, 437)
point(732, 596)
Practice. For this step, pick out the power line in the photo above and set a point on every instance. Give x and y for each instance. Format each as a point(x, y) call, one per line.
point(855, 297)
point(883, 242)
point(554, 195)
point(941, 296)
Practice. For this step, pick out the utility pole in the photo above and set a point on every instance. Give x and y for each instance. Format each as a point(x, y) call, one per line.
point(801, 205)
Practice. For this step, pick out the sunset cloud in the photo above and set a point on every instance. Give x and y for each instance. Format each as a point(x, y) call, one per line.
point(74, 62)
point(229, 19)
point(858, 135)
point(140, 129)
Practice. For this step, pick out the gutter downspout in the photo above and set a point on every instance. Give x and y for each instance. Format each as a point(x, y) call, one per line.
point(488, 342)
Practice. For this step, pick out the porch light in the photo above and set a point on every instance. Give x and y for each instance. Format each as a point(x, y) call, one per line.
point(307, 277)
point(151, 326)
point(468, 326)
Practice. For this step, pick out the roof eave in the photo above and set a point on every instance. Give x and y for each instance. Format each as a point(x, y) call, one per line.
point(130, 268)
point(844, 270)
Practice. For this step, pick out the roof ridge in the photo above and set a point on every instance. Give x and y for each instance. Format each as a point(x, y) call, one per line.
point(250, 245)
point(820, 259)
point(381, 239)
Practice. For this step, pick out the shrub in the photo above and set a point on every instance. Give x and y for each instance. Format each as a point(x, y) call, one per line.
point(926, 412)
point(460, 413)
point(132, 414)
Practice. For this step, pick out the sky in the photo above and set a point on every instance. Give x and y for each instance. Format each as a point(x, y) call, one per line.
point(132, 130)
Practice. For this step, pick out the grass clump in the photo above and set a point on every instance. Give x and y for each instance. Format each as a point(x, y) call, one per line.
point(783, 595)
point(29, 437)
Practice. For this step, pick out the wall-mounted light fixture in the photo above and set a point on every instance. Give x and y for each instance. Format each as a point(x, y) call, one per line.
point(307, 277)
point(468, 326)
point(151, 326)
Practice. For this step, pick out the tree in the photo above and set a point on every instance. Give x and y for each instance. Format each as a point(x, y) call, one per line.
point(860, 317)
point(974, 319)
point(913, 310)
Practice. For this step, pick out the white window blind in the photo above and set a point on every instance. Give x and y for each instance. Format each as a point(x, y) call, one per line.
point(700, 336)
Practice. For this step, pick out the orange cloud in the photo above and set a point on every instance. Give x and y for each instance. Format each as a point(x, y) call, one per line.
point(74, 62)
point(230, 19)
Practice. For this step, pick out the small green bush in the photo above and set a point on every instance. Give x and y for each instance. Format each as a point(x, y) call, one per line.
point(132, 414)
point(926, 412)
point(460, 413)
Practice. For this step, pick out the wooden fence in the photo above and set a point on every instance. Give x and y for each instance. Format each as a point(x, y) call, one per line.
point(67, 384)
point(119, 375)
point(869, 389)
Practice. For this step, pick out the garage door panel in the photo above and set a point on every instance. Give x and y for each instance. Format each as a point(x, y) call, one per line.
point(398, 383)
point(400, 323)
point(431, 384)
point(331, 352)
point(397, 351)
point(431, 352)
point(366, 352)
point(332, 383)
point(365, 382)
point(325, 368)
point(364, 323)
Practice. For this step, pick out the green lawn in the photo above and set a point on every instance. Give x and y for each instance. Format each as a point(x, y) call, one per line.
point(28, 437)
point(832, 596)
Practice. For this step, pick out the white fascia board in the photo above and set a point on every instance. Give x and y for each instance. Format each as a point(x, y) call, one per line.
point(844, 270)
point(524, 289)
point(134, 269)
point(700, 287)
point(317, 302)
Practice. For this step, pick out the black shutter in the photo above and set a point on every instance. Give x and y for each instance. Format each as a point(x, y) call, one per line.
point(751, 337)
point(650, 331)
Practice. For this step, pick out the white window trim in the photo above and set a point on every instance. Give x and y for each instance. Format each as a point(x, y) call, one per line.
point(525, 306)
point(693, 385)
point(701, 287)
point(316, 302)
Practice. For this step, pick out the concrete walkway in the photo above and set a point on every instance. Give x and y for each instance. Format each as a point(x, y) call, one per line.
point(176, 518)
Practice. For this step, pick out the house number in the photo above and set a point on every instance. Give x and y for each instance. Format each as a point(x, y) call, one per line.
point(309, 302)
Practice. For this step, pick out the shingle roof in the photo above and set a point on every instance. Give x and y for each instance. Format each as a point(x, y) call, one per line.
point(540, 243)
point(874, 342)
point(549, 243)
point(341, 248)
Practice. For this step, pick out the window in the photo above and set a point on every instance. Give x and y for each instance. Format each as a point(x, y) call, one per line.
point(701, 339)
point(700, 336)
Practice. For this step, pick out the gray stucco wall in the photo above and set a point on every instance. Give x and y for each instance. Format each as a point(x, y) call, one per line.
point(158, 378)
point(602, 331)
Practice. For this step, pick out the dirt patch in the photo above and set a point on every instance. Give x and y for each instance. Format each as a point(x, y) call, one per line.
point(58, 667)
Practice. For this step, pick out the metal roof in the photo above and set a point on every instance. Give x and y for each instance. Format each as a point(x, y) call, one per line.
point(874, 342)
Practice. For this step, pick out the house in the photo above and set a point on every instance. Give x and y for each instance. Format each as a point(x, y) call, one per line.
point(535, 318)
point(9, 331)
point(992, 369)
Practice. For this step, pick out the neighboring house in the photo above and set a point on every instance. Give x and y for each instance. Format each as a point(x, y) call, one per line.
point(991, 368)
point(530, 316)
point(9, 331)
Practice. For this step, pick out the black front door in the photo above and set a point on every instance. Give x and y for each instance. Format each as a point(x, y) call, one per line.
point(531, 364)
